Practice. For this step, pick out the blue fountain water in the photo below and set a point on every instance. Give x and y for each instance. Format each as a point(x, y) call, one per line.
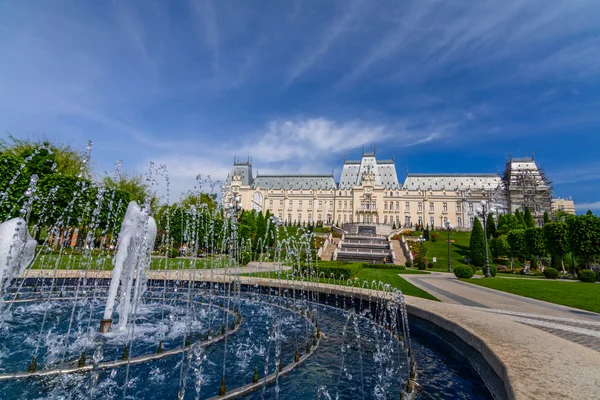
point(443, 374)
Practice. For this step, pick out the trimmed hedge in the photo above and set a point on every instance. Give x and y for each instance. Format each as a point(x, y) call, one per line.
point(408, 264)
point(463, 272)
point(551, 273)
point(347, 270)
point(383, 266)
point(586, 275)
point(421, 265)
point(493, 270)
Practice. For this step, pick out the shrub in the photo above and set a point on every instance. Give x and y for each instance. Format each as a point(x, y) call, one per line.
point(493, 270)
point(431, 265)
point(421, 265)
point(408, 264)
point(551, 273)
point(172, 253)
point(501, 268)
point(383, 266)
point(463, 272)
point(338, 269)
point(477, 244)
point(586, 275)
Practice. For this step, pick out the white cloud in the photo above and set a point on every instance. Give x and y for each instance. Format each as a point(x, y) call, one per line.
point(582, 207)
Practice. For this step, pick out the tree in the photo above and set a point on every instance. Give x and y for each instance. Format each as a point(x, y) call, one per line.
point(520, 219)
point(508, 222)
point(546, 217)
point(528, 218)
point(490, 226)
point(132, 184)
point(584, 237)
point(516, 245)
point(499, 246)
point(477, 244)
point(535, 243)
point(556, 237)
point(47, 157)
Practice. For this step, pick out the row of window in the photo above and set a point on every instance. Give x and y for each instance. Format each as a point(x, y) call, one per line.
point(420, 206)
point(371, 205)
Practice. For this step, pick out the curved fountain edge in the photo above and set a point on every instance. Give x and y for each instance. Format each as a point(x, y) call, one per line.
point(531, 363)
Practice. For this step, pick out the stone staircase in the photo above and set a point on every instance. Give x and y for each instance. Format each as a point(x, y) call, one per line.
point(364, 243)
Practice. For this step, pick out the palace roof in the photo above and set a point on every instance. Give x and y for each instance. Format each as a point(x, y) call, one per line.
point(307, 182)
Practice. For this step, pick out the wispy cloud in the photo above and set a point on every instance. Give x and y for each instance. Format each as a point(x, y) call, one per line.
point(583, 207)
point(207, 17)
point(333, 33)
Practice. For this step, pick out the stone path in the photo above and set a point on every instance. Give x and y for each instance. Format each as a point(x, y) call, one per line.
point(330, 249)
point(575, 325)
point(398, 253)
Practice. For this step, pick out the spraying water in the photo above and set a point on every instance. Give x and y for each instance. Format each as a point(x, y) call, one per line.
point(134, 247)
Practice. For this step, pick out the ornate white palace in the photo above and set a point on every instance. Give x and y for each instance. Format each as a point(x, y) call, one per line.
point(369, 192)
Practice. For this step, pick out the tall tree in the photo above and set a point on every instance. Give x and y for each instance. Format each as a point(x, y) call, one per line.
point(490, 226)
point(557, 243)
point(529, 221)
point(584, 237)
point(535, 243)
point(499, 246)
point(47, 157)
point(477, 244)
point(546, 217)
point(520, 219)
point(516, 245)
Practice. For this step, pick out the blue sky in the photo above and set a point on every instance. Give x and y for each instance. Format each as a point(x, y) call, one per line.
point(444, 86)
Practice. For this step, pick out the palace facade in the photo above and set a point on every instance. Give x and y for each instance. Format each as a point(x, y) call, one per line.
point(368, 191)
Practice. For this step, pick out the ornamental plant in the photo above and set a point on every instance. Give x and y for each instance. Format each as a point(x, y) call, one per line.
point(551, 273)
point(477, 244)
point(586, 275)
point(463, 272)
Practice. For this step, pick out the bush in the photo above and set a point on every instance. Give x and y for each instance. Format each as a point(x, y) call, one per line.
point(493, 270)
point(172, 253)
point(551, 273)
point(586, 275)
point(338, 269)
point(408, 264)
point(421, 265)
point(383, 266)
point(431, 265)
point(463, 272)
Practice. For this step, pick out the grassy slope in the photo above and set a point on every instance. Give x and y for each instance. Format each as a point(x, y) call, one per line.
point(369, 274)
point(391, 276)
point(459, 249)
point(585, 296)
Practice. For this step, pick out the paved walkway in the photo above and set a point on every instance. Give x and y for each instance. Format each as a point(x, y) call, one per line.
point(398, 253)
point(576, 325)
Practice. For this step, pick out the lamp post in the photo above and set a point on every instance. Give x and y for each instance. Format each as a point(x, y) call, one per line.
point(483, 212)
point(449, 228)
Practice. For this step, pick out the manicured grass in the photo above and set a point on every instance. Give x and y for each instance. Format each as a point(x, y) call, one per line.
point(459, 249)
point(585, 296)
point(366, 274)
point(391, 276)
point(76, 261)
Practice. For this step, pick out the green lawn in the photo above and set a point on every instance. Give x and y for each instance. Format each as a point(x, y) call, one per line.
point(585, 296)
point(48, 261)
point(367, 274)
point(391, 276)
point(459, 249)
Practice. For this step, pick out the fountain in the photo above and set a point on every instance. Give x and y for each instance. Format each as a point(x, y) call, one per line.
point(195, 327)
point(134, 248)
